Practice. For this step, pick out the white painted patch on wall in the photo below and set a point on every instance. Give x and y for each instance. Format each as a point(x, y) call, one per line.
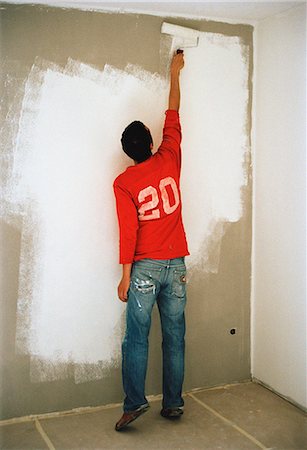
point(66, 156)
point(215, 140)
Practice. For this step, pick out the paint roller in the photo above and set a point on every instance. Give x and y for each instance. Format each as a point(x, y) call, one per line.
point(182, 37)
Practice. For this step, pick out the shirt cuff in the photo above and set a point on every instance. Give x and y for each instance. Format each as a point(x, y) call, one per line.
point(126, 261)
point(172, 113)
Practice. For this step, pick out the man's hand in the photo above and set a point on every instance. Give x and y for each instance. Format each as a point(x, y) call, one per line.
point(124, 284)
point(177, 63)
point(123, 289)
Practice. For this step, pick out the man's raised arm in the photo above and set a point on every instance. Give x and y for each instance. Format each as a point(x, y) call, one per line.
point(174, 94)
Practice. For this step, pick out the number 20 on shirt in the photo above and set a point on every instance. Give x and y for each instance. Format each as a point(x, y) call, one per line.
point(151, 208)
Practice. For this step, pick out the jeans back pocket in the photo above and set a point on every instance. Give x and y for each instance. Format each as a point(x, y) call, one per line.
point(179, 283)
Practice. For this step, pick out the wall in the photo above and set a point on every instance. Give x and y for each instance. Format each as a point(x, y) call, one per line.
point(279, 277)
point(72, 81)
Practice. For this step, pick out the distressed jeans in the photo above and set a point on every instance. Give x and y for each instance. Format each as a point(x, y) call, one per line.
point(164, 282)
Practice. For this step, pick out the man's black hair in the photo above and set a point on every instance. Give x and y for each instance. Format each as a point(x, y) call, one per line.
point(136, 141)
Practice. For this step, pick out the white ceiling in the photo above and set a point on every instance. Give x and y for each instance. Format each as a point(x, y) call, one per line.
point(243, 11)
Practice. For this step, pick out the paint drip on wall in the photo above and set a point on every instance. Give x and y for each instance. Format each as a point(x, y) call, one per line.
point(66, 156)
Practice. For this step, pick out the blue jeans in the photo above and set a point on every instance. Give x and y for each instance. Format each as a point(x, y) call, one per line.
point(164, 282)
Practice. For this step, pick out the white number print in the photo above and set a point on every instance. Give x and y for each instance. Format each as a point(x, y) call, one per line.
point(150, 191)
point(169, 181)
point(151, 204)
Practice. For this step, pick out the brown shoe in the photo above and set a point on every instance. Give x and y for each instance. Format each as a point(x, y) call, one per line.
point(171, 413)
point(130, 416)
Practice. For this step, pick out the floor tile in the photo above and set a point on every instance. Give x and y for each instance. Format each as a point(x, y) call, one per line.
point(257, 411)
point(197, 429)
point(21, 436)
point(269, 418)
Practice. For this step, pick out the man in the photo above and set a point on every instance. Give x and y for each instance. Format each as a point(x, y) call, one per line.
point(152, 250)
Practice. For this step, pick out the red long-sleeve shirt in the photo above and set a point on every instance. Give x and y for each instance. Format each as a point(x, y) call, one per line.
point(148, 202)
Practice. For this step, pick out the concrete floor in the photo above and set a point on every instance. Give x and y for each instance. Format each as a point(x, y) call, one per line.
point(241, 416)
